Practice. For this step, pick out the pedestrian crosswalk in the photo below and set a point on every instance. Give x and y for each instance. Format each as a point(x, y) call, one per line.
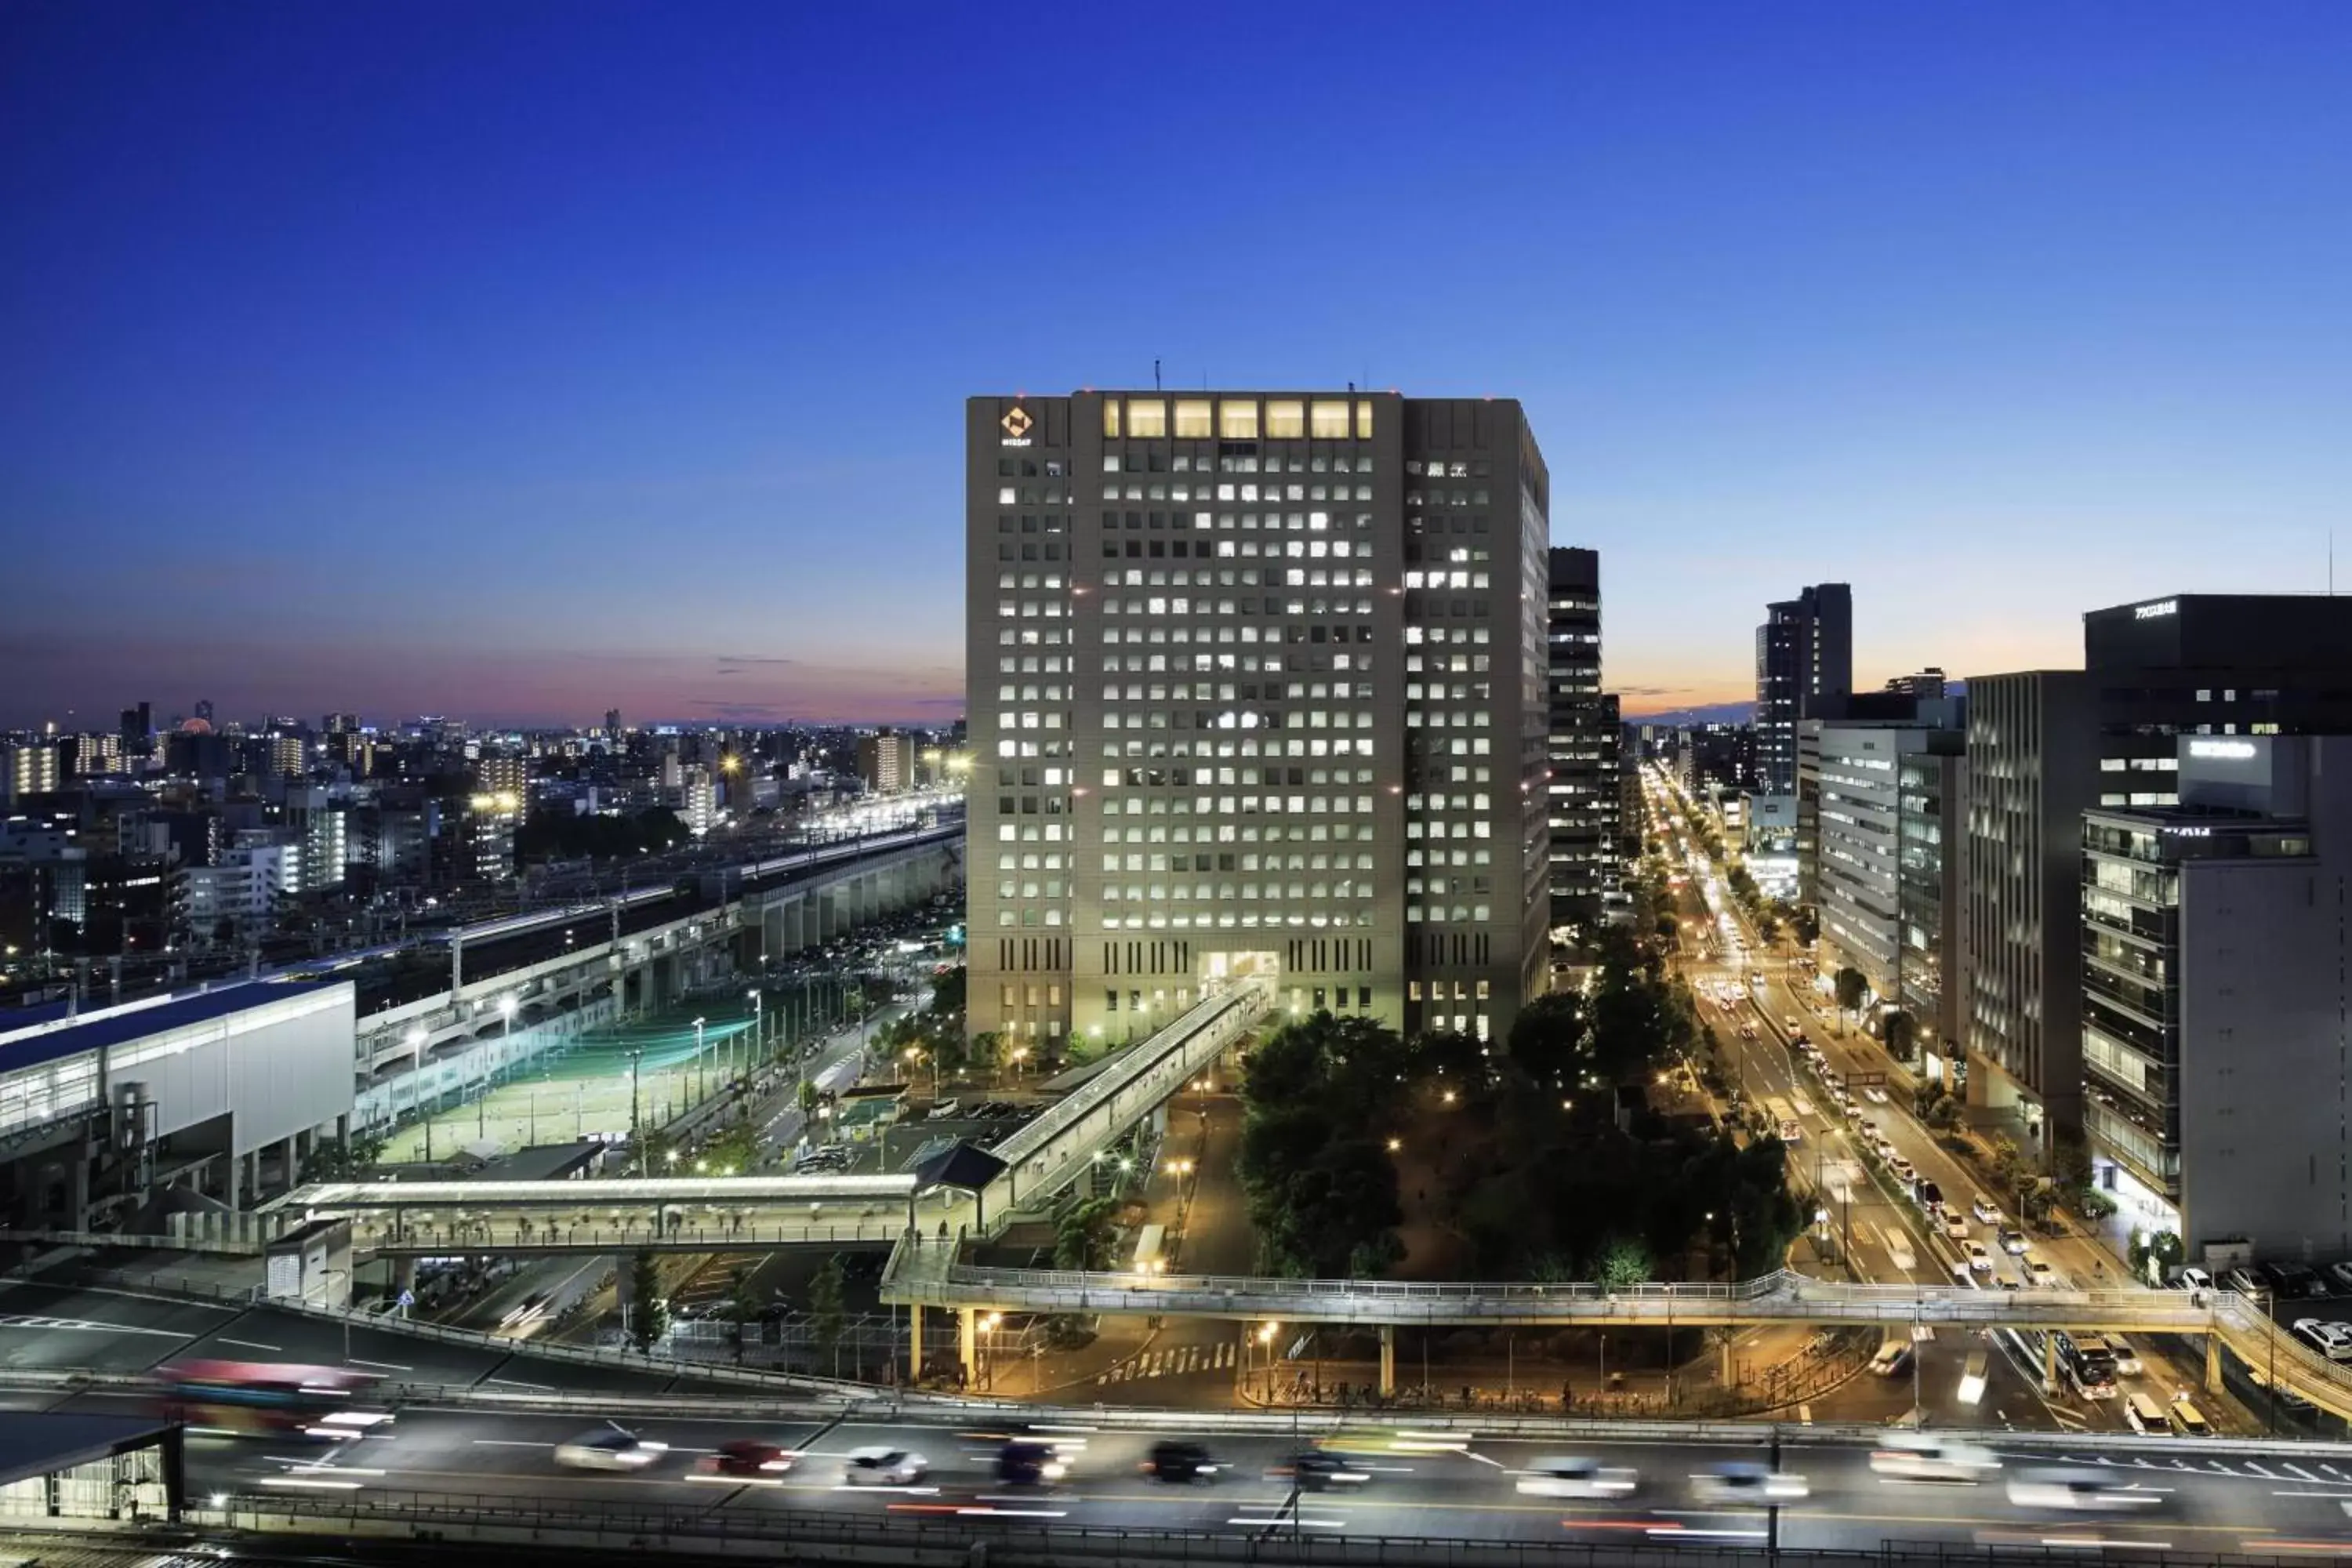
point(1171, 1360)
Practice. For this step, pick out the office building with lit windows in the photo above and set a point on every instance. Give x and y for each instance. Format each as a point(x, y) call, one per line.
point(1257, 686)
point(2044, 746)
point(1582, 794)
point(1804, 669)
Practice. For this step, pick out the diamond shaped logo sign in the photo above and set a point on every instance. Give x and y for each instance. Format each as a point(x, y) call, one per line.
point(1016, 426)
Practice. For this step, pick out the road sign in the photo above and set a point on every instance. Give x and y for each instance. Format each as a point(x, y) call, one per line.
point(408, 1298)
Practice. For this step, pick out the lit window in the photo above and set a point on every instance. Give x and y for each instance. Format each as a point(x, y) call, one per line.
point(1237, 419)
point(1285, 421)
point(1328, 420)
point(1111, 418)
point(1147, 417)
point(1193, 419)
point(1363, 421)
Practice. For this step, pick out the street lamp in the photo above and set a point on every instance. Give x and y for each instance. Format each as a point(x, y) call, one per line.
point(701, 1085)
point(1265, 1344)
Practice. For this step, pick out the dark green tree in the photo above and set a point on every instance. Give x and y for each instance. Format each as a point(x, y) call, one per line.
point(828, 1313)
point(1900, 1031)
point(1087, 1235)
point(1852, 986)
point(648, 1308)
point(1546, 1035)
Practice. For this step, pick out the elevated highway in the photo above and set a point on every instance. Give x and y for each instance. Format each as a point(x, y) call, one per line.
point(919, 1277)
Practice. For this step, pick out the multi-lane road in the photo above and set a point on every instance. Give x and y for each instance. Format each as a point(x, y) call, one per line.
point(1461, 1485)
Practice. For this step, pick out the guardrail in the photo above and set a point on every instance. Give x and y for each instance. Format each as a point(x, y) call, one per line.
point(931, 1539)
point(435, 1240)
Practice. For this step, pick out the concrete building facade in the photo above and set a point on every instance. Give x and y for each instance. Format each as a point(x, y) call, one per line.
point(1257, 685)
point(2215, 949)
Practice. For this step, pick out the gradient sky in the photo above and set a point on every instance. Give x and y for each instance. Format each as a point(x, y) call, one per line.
point(519, 360)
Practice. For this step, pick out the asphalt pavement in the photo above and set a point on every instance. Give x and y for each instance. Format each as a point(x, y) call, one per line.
point(2185, 1500)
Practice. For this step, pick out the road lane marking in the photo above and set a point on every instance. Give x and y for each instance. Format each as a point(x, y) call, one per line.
point(252, 1344)
point(515, 1382)
point(387, 1365)
point(2298, 1470)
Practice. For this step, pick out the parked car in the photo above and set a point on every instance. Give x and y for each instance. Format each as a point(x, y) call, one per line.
point(2192, 1278)
point(2331, 1340)
point(2297, 1279)
point(2247, 1281)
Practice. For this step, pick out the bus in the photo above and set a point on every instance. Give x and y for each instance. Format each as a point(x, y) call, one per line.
point(240, 1398)
point(1148, 1259)
point(2088, 1365)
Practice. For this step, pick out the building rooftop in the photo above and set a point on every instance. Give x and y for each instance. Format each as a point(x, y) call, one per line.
point(60, 1037)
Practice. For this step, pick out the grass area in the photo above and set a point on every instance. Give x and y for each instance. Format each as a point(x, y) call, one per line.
point(582, 1092)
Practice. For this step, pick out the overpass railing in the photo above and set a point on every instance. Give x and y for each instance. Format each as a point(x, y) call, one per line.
point(1150, 1071)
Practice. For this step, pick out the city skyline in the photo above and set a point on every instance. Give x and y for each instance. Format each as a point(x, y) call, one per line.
point(587, 396)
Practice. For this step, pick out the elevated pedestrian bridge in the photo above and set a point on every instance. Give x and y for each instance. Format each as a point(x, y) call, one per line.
point(756, 1213)
point(924, 1276)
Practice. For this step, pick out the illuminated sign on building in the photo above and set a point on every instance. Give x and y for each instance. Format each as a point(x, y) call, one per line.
point(2237, 751)
point(1016, 428)
point(2157, 611)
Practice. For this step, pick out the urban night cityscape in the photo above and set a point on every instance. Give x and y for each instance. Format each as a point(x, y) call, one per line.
point(1503, 786)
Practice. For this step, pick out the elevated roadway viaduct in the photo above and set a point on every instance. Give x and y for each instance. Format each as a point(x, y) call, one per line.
point(918, 1278)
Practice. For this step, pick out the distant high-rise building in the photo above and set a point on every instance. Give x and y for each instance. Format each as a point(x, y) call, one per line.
point(341, 723)
point(1256, 686)
point(290, 755)
point(1582, 794)
point(1804, 669)
point(698, 799)
point(31, 768)
point(507, 775)
point(613, 721)
point(886, 761)
point(138, 730)
point(203, 708)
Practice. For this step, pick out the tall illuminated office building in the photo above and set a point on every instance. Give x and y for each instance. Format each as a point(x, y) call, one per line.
point(1256, 685)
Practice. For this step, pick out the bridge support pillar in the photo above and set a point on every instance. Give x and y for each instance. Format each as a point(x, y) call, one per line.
point(2049, 1362)
point(2212, 1363)
point(914, 1341)
point(968, 1344)
point(1728, 1371)
point(404, 1276)
point(1387, 1359)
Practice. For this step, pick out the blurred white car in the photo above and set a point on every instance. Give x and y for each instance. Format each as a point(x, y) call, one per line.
point(884, 1468)
point(1744, 1484)
point(1980, 1260)
point(1577, 1478)
point(2079, 1491)
point(608, 1449)
point(1919, 1456)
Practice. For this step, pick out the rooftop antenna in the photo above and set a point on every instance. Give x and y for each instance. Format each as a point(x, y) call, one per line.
point(2331, 562)
point(1155, 375)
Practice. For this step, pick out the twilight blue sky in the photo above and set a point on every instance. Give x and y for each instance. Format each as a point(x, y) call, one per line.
point(513, 360)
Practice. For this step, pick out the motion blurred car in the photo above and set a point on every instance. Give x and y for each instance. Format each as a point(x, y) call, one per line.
point(884, 1468)
point(2128, 1362)
point(1181, 1464)
point(1026, 1464)
point(1315, 1471)
point(2341, 1273)
point(608, 1449)
point(1921, 1456)
point(1980, 1260)
point(1744, 1484)
point(2013, 1241)
point(1577, 1478)
point(2078, 1492)
point(750, 1459)
point(1957, 1228)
